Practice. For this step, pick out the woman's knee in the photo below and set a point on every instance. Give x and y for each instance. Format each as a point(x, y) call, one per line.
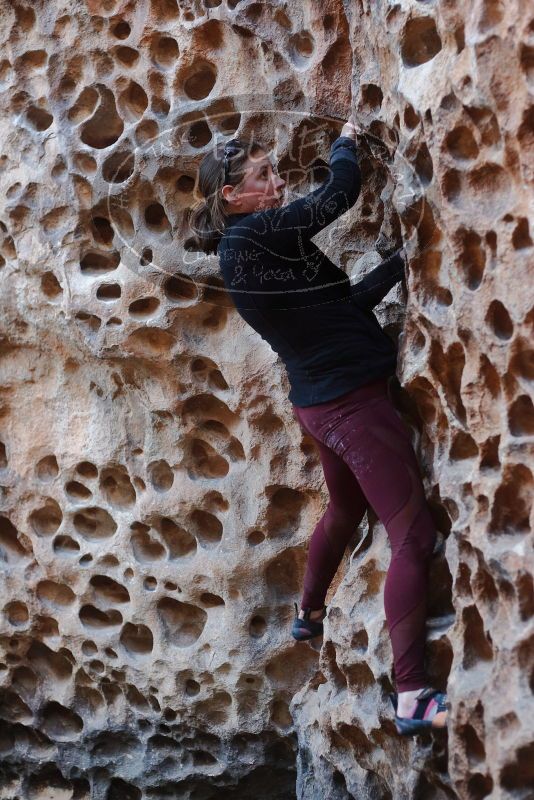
point(343, 516)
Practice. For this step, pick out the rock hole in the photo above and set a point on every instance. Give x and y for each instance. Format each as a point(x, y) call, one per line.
point(519, 774)
point(160, 475)
point(180, 289)
point(126, 55)
point(463, 447)
point(527, 64)
point(146, 131)
point(156, 218)
point(146, 257)
point(199, 81)
point(86, 469)
point(411, 118)
point(525, 595)
point(94, 263)
point(60, 723)
point(192, 688)
point(182, 623)
point(39, 118)
point(179, 542)
point(105, 126)
point(459, 38)
point(491, 14)
point(472, 257)
point(331, 667)
point(94, 524)
point(50, 286)
point(301, 46)
point(46, 520)
point(108, 292)
point(360, 641)
point(512, 501)
point(105, 588)
point(489, 188)
point(92, 617)
point(150, 341)
point(207, 528)
point(487, 124)
point(77, 491)
point(521, 416)
point(359, 677)
point(120, 789)
point(199, 134)
point(84, 106)
point(203, 461)
point(489, 452)
point(477, 647)
point(136, 639)
point(116, 487)
point(521, 237)
point(165, 11)
point(461, 144)
point(47, 468)
point(120, 29)
point(255, 537)
point(522, 361)
point(283, 513)
point(423, 165)
point(144, 307)
point(55, 594)
point(499, 320)
point(164, 51)
point(102, 230)
point(420, 41)
point(451, 186)
point(211, 600)
point(146, 548)
point(257, 626)
point(118, 167)
point(372, 96)
point(215, 710)
point(16, 613)
point(65, 545)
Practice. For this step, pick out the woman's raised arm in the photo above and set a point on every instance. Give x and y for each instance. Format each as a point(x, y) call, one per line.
point(307, 215)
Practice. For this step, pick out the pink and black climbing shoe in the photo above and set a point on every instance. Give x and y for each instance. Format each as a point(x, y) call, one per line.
point(307, 628)
point(429, 703)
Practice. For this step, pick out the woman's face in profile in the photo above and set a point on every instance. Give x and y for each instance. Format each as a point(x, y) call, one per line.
point(260, 188)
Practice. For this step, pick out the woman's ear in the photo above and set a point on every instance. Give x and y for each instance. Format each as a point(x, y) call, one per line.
point(228, 193)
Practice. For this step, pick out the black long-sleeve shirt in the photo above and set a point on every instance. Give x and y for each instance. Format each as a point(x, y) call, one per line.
point(303, 305)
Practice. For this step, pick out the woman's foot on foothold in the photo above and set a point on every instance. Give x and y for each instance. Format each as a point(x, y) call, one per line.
point(415, 714)
point(314, 613)
point(308, 623)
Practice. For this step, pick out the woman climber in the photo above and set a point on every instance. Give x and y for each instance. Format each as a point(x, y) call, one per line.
point(338, 360)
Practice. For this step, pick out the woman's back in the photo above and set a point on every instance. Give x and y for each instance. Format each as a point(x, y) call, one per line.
point(301, 303)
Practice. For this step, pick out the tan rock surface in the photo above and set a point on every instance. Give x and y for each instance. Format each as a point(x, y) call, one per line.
point(157, 495)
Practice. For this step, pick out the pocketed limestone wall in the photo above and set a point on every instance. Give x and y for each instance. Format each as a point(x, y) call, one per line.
point(157, 495)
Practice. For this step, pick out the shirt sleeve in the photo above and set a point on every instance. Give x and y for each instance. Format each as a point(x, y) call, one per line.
point(307, 215)
point(368, 292)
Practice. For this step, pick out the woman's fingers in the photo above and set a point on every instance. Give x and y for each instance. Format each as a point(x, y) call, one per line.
point(351, 127)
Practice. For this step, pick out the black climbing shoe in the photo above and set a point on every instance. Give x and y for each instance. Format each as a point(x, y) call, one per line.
point(306, 628)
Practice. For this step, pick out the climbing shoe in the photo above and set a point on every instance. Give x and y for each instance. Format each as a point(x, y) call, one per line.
point(421, 720)
point(307, 628)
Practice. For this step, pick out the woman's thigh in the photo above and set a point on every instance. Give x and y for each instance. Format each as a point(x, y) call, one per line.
point(373, 442)
point(343, 487)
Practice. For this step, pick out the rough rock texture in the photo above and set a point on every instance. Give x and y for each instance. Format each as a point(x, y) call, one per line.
point(157, 494)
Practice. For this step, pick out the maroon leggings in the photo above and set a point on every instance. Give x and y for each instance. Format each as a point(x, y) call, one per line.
point(368, 460)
